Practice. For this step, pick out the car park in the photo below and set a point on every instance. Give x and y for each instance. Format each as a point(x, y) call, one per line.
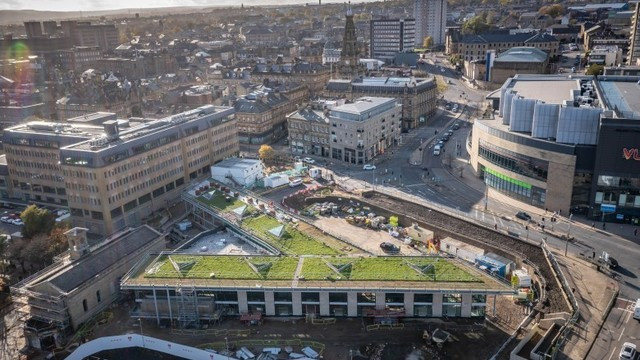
point(368, 167)
point(523, 216)
point(628, 351)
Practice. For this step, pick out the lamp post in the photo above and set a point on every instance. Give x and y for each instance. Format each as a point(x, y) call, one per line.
point(566, 246)
point(141, 333)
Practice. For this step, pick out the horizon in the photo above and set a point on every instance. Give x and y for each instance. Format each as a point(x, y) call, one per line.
point(117, 5)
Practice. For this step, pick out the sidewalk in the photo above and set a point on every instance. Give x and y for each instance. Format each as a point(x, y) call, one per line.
point(593, 292)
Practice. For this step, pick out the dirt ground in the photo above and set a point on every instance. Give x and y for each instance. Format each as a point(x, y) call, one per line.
point(345, 337)
point(366, 239)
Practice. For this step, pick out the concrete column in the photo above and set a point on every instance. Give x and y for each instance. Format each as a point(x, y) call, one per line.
point(324, 304)
point(269, 305)
point(296, 303)
point(243, 307)
point(408, 303)
point(352, 304)
point(437, 305)
point(466, 305)
point(169, 303)
point(380, 301)
point(155, 304)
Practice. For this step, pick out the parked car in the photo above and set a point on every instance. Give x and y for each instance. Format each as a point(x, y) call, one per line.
point(6, 219)
point(448, 106)
point(449, 133)
point(368, 167)
point(295, 182)
point(628, 351)
point(523, 216)
point(456, 126)
point(389, 248)
point(309, 160)
point(445, 138)
point(17, 222)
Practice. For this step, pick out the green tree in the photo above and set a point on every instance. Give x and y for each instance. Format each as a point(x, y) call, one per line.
point(475, 25)
point(427, 42)
point(595, 69)
point(393, 221)
point(36, 221)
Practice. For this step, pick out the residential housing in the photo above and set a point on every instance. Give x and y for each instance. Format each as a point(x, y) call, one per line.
point(431, 20)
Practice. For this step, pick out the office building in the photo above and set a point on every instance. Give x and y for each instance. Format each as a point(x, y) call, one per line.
point(84, 33)
point(57, 300)
point(564, 143)
point(633, 56)
point(365, 128)
point(309, 128)
point(431, 20)
point(475, 47)
point(113, 176)
point(80, 58)
point(33, 29)
point(417, 95)
point(391, 36)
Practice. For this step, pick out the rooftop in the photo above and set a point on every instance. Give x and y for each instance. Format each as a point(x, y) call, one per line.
point(620, 93)
point(362, 105)
point(67, 276)
point(522, 54)
point(309, 271)
point(237, 163)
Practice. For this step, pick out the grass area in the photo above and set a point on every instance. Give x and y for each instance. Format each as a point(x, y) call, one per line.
point(292, 242)
point(202, 267)
point(219, 201)
point(314, 268)
point(276, 268)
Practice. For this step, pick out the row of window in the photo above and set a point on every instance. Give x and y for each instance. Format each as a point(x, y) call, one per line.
point(514, 162)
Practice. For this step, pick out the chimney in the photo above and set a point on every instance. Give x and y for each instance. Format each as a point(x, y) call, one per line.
point(78, 245)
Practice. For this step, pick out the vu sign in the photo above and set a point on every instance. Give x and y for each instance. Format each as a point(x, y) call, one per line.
point(629, 154)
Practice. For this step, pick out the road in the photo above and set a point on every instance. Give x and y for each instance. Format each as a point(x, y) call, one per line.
point(620, 327)
point(441, 185)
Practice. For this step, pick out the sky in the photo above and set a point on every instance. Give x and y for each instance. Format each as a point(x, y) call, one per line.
point(92, 5)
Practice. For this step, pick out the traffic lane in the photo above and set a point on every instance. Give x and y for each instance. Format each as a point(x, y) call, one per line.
point(619, 327)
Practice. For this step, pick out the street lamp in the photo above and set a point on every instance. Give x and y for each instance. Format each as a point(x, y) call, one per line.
point(566, 246)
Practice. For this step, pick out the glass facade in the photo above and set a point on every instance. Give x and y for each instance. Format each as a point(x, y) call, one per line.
point(514, 162)
point(513, 187)
point(624, 193)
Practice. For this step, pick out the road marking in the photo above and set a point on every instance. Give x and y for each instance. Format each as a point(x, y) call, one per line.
point(483, 217)
point(494, 219)
point(501, 223)
point(613, 352)
point(476, 213)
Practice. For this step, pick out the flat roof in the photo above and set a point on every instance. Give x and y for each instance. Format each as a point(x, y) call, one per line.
point(236, 163)
point(622, 94)
point(363, 104)
point(318, 272)
point(549, 91)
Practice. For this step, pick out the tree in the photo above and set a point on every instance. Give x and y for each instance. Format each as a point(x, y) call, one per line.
point(266, 153)
point(554, 10)
point(427, 42)
point(475, 25)
point(393, 221)
point(36, 221)
point(595, 69)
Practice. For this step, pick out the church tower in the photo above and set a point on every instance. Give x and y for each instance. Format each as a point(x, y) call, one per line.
point(350, 50)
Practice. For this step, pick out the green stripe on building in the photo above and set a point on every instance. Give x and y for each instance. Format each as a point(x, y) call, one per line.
point(507, 178)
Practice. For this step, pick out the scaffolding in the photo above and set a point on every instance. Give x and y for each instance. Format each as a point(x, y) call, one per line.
point(188, 307)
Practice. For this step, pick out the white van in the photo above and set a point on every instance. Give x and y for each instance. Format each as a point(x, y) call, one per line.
point(636, 310)
point(295, 182)
point(436, 150)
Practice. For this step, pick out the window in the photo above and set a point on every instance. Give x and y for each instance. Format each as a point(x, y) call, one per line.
point(423, 298)
point(255, 296)
point(281, 296)
point(98, 298)
point(337, 297)
point(85, 307)
point(310, 297)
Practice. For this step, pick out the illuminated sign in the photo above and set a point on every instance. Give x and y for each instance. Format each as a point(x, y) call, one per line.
point(630, 154)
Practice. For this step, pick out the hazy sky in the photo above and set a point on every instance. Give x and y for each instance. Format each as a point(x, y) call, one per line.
point(87, 5)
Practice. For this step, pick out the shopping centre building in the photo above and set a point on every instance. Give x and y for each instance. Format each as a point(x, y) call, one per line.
point(564, 143)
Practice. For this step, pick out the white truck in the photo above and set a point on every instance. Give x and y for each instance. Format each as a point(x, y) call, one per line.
point(436, 150)
point(636, 310)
